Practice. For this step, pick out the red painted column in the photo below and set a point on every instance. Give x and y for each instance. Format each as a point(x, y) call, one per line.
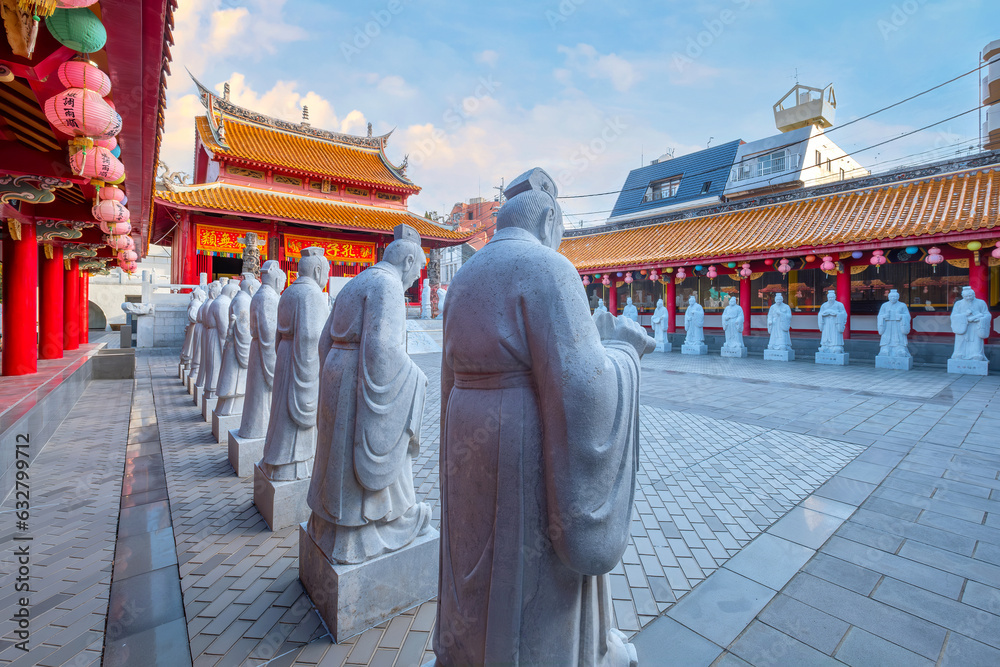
point(50, 311)
point(20, 307)
point(671, 304)
point(84, 307)
point(71, 306)
point(745, 304)
point(190, 260)
point(613, 297)
point(979, 275)
point(844, 296)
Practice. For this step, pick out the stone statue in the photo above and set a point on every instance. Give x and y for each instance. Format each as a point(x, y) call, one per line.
point(371, 402)
point(733, 319)
point(601, 308)
point(630, 311)
point(537, 409)
point(441, 295)
point(659, 322)
point(262, 354)
point(425, 300)
point(291, 432)
point(236, 351)
point(779, 321)
point(217, 327)
point(214, 290)
point(192, 329)
point(694, 322)
point(832, 321)
point(970, 321)
point(893, 326)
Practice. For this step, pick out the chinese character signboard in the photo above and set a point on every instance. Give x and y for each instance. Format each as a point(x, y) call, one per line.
point(225, 240)
point(336, 250)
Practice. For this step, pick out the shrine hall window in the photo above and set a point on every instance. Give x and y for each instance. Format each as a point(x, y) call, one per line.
point(662, 189)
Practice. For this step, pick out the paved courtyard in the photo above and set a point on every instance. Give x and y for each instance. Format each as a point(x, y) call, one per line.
point(785, 514)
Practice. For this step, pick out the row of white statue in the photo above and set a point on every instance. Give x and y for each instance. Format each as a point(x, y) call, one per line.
point(970, 322)
point(525, 546)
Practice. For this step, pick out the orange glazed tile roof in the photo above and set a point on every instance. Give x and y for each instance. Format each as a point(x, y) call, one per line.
point(962, 202)
point(269, 146)
point(325, 212)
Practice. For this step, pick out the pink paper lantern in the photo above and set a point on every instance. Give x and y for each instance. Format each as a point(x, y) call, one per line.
point(127, 256)
point(84, 74)
point(121, 242)
point(681, 275)
point(116, 228)
point(79, 112)
point(828, 264)
point(784, 266)
point(110, 210)
point(996, 251)
point(97, 163)
point(745, 271)
point(586, 280)
point(628, 278)
point(129, 243)
point(74, 4)
point(110, 192)
point(128, 267)
point(878, 258)
point(712, 273)
point(653, 275)
point(605, 280)
point(110, 144)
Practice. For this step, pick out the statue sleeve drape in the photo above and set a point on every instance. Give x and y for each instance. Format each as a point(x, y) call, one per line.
point(588, 402)
point(391, 391)
point(303, 397)
point(959, 318)
point(240, 331)
point(266, 338)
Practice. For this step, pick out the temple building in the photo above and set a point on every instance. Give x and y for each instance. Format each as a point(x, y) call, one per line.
point(925, 230)
point(294, 186)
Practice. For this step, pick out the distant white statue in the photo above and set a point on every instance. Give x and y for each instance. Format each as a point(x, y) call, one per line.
point(630, 311)
point(732, 324)
point(694, 323)
point(659, 322)
point(779, 321)
point(187, 351)
point(893, 326)
point(425, 300)
point(601, 308)
point(441, 295)
point(832, 322)
point(970, 321)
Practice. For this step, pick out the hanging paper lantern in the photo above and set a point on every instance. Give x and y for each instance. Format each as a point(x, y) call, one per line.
point(878, 258)
point(110, 211)
point(117, 151)
point(828, 264)
point(619, 274)
point(596, 276)
point(119, 242)
point(111, 193)
point(912, 250)
point(628, 278)
point(84, 74)
point(79, 112)
point(606, 281)
point(681, 275)
point(78, 29)
point(70, 4)
point(127, 256)
point(996, 251)
point(669, 269)
point(784, 266)
point(128, 267)
point(768, 262)
point(653, 275)
point(98, 164)
point(586, 281)
point(934, 257)
point(731, 265)
point(974, 245)
point(129, 243)
point(698, 267)
point(745, 271)
point(810, 259)
point(712, 273)
point(116, 228)
point(857, 254)
point(642, 272)
point(111, 144)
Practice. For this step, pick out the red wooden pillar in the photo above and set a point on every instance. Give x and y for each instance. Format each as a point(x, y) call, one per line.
point(613, 298)
point(844, 296)
point(50, 313)
point(979, 275)
point(189, 273)
point(745, 304)
point(20, 307)
point(71, 306)
point(671, 304)
point(84, 307)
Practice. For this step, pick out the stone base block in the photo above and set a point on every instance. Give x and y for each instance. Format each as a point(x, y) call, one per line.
point(779, 355)
point(694, 349)
point(222, 425)
point(244, 453)
point(282, 504)
point(196, 396)
point(966, 367)
point(189, 384)
point(893, 363)
point(833, 358)
point(352, 598)
point(181, 370)
point(208, 407)
point(666, 346)
point(737, 353)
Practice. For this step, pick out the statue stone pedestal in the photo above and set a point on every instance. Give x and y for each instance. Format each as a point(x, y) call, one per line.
point(734, 353)
point(833, 358)
point(181, 370)
point(968, 367)
point(222, 425)
point(893, 363)
point(244, 452)
point(208, 407)
point(189, 385)
point(196, 394)
point(282, 504)
point(353, 598)
point(694, 348)
point(779, 355)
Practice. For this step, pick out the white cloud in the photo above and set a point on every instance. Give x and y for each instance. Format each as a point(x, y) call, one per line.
point(488, 57)
point(584, 58)
point(396, 86)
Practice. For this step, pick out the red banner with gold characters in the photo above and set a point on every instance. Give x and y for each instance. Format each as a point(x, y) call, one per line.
point(336, 251)
point(226, 240)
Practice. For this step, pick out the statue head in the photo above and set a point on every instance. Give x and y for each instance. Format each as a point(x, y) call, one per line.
point(214, 289)
point(224, 281)
point(968, 293)
point(831, 296)
point(692, 301)
point(532, 206)
point(408, 258)
point(628, 301)
point(313, 265)
point(230, 289)
point(893, 296)
point(600, 303)
point(659, 303)
point(249, 284)
point(198, 293)
point(272, 275)
point(778, 298)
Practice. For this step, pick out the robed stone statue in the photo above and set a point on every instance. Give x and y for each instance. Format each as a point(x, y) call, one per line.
point(601, 308)
point(214, 290)
point(190, 352)
point(832, 322)
point(732, 324)
point(893, 327)
point(694, 323)
point(970, 322)
point(236, 351)
point(659, 323)
point(290, 443)
point(216, 328)
point(539, 440)
point(371, 402)
point(779, 322)
point(262, 354)
point(630, 311)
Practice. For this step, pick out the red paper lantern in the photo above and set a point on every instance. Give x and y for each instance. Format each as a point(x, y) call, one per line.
point(768, 262)
point(810, 258)
point(79, 112)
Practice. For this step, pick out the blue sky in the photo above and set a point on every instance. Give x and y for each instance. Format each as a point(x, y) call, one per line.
point(586, 89)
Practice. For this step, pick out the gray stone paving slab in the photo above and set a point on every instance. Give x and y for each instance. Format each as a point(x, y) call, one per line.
point(721, 606)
